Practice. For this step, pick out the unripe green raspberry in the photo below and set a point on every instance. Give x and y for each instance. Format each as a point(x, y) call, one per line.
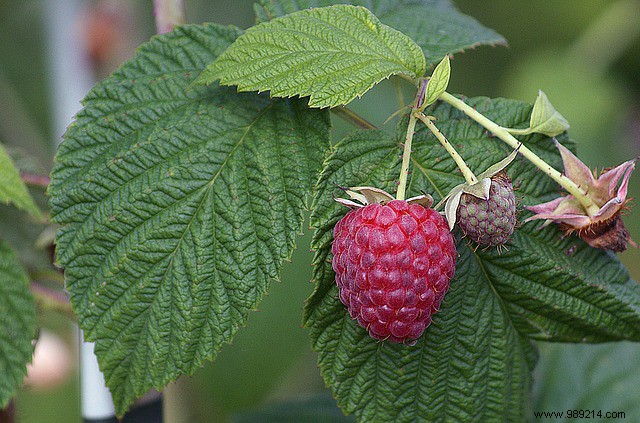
point(489, 222)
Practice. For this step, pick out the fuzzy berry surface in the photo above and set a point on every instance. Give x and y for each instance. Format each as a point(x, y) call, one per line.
point(489, 222)
point(393, 265)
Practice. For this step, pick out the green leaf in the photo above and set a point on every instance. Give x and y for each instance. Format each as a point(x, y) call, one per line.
point(545, 286)
point(435, 25)
point(438, 82)
point(332, 54)
point(17, 324)
point(179, 204)
point(12, 189)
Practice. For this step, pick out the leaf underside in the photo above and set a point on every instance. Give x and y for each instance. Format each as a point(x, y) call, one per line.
point(178, 204)
point(333, 55)
point(435, 25)
point(17, 324)
point(474, 362)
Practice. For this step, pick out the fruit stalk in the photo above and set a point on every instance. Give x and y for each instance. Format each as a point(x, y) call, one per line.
point(466, 172)
point(406, 155)
point(408, 139)
point(590, 207)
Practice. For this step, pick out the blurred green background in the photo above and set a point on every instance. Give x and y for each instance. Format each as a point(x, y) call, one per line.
point(584, 55)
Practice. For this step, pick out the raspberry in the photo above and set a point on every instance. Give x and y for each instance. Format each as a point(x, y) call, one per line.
point(393, 264)
point(489, 222)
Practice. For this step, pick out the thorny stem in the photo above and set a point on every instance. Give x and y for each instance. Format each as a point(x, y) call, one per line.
point(505, 136)
point(168, 13)
point(352, 117)
point(466, 172)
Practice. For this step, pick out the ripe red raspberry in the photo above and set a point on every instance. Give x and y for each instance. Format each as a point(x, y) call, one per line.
point(489, 222)
point(393, 264)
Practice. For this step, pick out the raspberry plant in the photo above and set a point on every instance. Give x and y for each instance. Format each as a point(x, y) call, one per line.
point(181, 186)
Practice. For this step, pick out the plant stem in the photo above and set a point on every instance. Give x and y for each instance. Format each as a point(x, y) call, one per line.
point(406, 155)
point(466, 172)
point(566, 183)
point(35, 180)
point(168, 13)
point(397, 86)
point(352, 117)
point(515, 131)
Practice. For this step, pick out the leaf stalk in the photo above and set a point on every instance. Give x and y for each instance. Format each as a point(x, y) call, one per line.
point(462, 165)
point(352, 117)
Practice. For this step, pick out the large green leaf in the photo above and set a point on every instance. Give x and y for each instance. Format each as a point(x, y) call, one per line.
point(178, 205)
point(17, 324)
point(435, 25)
point(332, 54)
point(474, 361)
point(12, 189)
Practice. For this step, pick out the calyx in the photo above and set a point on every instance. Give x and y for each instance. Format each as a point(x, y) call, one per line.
point(478, 189)
point(363, 196)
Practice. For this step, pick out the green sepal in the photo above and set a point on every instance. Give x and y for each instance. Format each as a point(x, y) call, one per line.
point(545, 119)
point(437, 83)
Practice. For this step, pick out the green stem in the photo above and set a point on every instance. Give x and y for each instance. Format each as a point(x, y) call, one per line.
point(352, 117)
point(466, 172)
point(566, 183)
point(409, 79)
point(406, 155)
point(515, 131)
point(398, 88)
